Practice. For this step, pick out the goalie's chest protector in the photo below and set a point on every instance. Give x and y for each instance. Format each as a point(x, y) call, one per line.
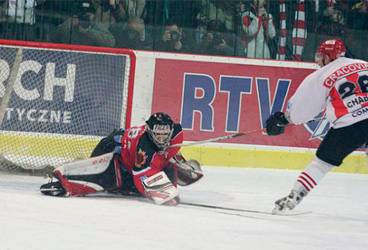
point(129, 145)
point(140, 154)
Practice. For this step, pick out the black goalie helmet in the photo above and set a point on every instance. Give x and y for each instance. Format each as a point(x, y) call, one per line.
point(160, 129)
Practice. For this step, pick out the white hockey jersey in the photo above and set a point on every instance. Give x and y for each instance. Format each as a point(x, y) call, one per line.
point(340, 89)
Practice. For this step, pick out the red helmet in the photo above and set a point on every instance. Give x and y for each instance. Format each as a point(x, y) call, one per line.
point(333, 48)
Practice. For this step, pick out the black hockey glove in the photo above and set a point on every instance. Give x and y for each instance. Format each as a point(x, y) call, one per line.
point(276, 123)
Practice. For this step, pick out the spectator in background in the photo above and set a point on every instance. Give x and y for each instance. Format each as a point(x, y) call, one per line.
point(201, 21)
point(110, 12)
point(258, 29)
point(223, 11)
point(133, 36)
point(20, 18)
point(3, 18)
point(360, 15)
point(333, 22)
point(22, 11)
point(129, 29)
point(174, 39)
point(214, 42)
point(105, 11)
point(135, 7)
point(82, 29)
point(113, 11)
point(124, 9)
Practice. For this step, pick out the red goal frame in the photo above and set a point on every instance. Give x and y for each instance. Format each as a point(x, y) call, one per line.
point(86, 48)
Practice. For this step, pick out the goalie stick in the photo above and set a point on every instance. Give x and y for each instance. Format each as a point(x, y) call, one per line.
point(225, 137)
point(220, 138)
point(226, 210)
point(240, 209)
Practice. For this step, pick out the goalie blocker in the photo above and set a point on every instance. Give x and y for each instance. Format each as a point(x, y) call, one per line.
point(137, 161)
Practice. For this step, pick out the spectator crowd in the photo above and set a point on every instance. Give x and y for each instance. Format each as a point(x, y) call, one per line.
point(265, 29)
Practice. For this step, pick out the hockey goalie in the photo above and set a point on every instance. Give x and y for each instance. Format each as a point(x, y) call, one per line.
point(138, 161)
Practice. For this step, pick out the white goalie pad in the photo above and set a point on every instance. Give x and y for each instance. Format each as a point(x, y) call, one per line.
point(189, 171)
point(94, 165)
point(159, 188)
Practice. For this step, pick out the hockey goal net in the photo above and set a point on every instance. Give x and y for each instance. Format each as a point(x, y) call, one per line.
point(57, 101)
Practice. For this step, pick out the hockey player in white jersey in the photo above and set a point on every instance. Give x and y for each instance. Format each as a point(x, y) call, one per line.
point(340, 89)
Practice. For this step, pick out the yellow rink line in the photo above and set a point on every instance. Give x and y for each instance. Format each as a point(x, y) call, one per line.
point(28, 145)
point(268, 158)
point(81, 148)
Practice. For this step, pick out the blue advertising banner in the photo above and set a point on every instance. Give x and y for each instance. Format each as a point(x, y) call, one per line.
point(63, 92)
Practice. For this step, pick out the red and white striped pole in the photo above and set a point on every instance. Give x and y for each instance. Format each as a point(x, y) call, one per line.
point(283, 31)
point(299, 33)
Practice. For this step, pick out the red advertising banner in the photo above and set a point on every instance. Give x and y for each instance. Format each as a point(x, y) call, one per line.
point(214, 99)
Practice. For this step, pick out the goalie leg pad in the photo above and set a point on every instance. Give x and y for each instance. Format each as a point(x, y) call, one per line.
point(90, 176)
point(90, 166)
point(76, 187)
point(160, 189)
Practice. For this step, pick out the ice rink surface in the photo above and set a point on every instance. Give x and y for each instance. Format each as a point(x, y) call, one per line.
point(338, 218)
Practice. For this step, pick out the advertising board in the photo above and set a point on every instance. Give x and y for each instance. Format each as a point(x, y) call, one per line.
point(213, 99)
point(219, 97)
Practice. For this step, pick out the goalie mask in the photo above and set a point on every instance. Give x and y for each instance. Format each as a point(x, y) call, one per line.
point(160, 129)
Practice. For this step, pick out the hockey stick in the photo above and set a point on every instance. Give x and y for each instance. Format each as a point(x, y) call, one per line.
point(220, 138)
point(238, 209)
point(226, 210)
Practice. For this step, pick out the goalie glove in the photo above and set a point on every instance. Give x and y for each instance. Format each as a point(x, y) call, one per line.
point(189, 171)
point(160, 189)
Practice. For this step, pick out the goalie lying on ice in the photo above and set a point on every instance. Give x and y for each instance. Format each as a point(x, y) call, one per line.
point(137, 161)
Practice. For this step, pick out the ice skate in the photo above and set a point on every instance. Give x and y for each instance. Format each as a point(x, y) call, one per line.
point(52, 188)
point(289, 202)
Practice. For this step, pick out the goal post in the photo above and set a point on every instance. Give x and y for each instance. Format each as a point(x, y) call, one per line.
point(57, 101)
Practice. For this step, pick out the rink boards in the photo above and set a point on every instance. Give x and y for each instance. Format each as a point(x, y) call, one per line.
point(209, 96)
point(215, 154)
point(256, 157)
